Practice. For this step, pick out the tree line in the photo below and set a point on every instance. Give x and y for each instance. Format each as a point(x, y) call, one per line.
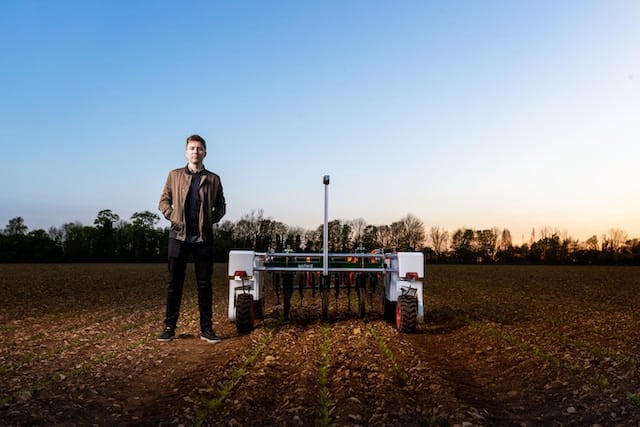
point(111, 239)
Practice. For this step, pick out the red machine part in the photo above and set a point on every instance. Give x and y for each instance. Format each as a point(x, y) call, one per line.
point(240, 274)
point(412, 275)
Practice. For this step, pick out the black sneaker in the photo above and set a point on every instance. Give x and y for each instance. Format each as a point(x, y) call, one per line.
point(167, 335)
point(210, 336)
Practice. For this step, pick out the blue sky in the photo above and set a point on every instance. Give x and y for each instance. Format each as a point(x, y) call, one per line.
point(508, 114)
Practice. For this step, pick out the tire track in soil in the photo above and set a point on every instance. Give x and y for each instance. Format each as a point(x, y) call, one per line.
point(369, 389)
point(190, 375)
point(365, 386)
point(495, 383)
point(281, 387)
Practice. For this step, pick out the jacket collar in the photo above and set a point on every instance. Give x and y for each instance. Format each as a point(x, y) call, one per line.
point(204, 171)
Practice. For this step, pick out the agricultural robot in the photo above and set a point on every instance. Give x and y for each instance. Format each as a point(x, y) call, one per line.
point(402, 274)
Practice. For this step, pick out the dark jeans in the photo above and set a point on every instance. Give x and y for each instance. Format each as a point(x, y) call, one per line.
point(203, 262)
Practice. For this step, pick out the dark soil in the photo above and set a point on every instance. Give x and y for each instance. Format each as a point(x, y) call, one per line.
point(522, 346)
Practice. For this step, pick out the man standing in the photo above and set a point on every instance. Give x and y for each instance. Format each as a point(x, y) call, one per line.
point(192, 200)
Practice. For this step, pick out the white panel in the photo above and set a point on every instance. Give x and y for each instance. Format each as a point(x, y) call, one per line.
point(241, 261)
point(410, 262)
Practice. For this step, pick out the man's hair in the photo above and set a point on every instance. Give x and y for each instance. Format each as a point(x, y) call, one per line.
point(198, 138)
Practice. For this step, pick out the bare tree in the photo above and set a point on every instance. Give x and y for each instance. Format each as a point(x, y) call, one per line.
point(532, 237)
point(294, 239)
point(223, 229)
point(439, 239)
point(409, 233)
point(506, 243)
point(312, 241)
point(397, 231)
point(247, 229)
point(550, 232)
point(592, 243)
point(615, 240)
point(357, 231)
point(487, 243)
point(56, 234)
point(385, 236)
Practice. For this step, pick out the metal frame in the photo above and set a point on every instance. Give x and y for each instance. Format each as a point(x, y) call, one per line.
point(245, 270)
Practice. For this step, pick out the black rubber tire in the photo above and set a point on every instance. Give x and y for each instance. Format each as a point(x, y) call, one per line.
point(407, 313)
point(244, 313)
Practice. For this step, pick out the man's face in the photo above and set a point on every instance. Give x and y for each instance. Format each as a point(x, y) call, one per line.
point(195, 152)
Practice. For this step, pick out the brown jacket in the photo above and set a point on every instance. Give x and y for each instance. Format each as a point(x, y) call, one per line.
point(174, 196)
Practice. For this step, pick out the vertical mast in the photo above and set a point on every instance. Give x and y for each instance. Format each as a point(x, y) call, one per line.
point(325, 229)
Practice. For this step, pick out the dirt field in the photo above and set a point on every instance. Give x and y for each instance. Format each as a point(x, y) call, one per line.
point(500, 345)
